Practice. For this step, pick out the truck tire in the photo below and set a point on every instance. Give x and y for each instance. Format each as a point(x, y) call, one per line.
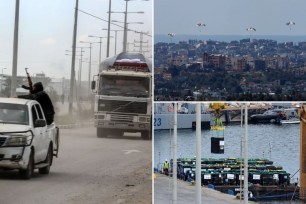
point(145, 135)
point(28, 173)
point(102, 132)
point(46, 169)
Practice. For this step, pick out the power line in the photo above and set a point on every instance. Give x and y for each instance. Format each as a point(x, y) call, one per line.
point(110, 22)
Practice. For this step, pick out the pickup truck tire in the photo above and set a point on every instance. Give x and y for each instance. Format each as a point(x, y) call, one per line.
point(102, 132)
point(28, 173)
point(46, 170)
point(57, 141)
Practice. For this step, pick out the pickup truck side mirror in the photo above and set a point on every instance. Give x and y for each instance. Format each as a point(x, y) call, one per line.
point(40, 123)
point(93, 85)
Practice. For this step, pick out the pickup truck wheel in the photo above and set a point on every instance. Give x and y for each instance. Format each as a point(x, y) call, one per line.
point(28, 173)
point(46, 169)
point(102, 132)
point(57, 141)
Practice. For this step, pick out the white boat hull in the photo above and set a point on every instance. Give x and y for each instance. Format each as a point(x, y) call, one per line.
point(290, 121)
point(184, 121)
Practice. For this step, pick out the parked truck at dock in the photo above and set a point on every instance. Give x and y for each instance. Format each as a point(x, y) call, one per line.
point(123, 100)
point(26, 141)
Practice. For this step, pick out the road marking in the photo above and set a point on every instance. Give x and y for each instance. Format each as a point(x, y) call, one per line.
point(131, 151)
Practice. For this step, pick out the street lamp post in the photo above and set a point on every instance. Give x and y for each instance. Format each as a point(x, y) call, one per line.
point(93, 36)
point(89, 68)
point(125, 26)
point(72, 75)
point(15, 51)
point(1, 79)
point(108, 32)
point(115, 38)
point(80, 68)
point(125, 30)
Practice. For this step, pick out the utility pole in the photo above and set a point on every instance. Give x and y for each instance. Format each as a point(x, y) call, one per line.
point(72, 77)
point(15, 51)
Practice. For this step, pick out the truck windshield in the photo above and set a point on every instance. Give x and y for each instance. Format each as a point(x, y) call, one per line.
point(124, 86)
point(14, 114)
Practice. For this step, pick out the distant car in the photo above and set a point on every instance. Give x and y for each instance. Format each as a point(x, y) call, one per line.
point(188, 98)
point(274, 115)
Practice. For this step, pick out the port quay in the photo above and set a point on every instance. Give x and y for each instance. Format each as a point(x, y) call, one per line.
point(273, 152)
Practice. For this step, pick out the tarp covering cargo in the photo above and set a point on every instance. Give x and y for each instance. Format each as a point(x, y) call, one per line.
point(136, 59)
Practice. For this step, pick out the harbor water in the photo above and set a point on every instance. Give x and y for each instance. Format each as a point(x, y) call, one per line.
point(279, 143)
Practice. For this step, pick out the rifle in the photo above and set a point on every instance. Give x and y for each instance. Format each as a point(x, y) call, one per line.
point(29, 81)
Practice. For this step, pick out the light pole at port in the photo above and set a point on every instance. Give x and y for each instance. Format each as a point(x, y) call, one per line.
point(245, 183)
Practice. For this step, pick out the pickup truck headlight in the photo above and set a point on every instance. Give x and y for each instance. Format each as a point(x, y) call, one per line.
point(18, 139)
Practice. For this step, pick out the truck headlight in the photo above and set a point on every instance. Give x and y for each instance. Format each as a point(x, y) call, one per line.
point(19, 139)
point(144, 119)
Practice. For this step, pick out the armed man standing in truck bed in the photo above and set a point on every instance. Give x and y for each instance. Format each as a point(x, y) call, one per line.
point(43, 98)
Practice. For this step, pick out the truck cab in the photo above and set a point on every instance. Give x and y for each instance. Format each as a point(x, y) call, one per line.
point(123, 100)
point(26, 141)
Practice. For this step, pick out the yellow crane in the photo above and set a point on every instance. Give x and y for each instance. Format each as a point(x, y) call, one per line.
point(217, 107)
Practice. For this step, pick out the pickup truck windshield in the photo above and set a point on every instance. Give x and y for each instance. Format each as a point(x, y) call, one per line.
point(14, 114)
point(124, 86)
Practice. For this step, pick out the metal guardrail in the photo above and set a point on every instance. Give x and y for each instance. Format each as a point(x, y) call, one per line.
point(75, 125)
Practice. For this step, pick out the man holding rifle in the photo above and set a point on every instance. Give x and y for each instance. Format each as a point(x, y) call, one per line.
point(37, 93)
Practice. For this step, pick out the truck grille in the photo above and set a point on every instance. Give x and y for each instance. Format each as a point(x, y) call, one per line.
point(2, 140)
point(125, 118)
point(122, 106)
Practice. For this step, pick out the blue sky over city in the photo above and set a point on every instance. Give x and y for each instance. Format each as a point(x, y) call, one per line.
point(46, 29)
point(230, 17)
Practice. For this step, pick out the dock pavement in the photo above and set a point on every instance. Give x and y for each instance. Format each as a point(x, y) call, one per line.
point(186, 193)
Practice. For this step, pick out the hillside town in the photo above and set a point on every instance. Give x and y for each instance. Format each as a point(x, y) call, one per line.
point(245, 70)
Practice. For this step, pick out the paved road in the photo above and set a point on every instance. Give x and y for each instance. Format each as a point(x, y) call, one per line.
point(89, 170)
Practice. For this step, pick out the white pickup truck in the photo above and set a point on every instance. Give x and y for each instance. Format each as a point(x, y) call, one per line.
point(26, 141)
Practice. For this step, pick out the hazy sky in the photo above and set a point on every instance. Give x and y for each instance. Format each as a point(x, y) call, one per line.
point(46, 29)
point(223, 17)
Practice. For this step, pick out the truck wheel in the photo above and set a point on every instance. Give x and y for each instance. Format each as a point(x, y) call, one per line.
point(145, 135)
point(28, 173)
point(46, 169)
point(102, 132)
